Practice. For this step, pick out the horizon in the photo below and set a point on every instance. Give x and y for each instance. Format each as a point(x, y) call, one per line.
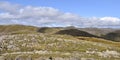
point(46, 13)
point(73, 27)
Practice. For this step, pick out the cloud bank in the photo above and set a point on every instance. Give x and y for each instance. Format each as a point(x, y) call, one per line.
point(51, 17)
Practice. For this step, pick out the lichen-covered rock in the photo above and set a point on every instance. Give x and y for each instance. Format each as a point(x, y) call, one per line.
point(2, 58)
point(108, 53)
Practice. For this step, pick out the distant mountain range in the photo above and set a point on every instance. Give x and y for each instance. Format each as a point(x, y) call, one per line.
point(105, 33)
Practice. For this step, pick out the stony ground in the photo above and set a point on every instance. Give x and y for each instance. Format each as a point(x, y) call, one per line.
point(40, 46)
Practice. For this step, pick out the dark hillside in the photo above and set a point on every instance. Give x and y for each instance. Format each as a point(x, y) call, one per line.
point(75, 32)
point(114, 36)
point(98, 31)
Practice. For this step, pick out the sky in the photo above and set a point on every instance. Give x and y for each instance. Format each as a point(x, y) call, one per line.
point(61, 13)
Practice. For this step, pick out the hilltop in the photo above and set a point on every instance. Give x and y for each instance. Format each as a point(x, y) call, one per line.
point(20, 42)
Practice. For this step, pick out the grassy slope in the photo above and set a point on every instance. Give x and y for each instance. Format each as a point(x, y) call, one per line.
point(17, 29)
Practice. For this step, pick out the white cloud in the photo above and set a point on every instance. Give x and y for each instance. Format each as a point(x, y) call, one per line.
point(69, 16)
point(9, 7)
point(48, 16)
point(112, 19)
point(38, 11)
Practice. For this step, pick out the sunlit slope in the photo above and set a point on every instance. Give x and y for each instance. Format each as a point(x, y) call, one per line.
point(17, 28)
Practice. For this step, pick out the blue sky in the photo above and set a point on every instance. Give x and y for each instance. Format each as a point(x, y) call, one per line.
point(80, 13)
point(86, 8)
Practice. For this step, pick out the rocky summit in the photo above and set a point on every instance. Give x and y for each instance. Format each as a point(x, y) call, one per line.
point(19, 42)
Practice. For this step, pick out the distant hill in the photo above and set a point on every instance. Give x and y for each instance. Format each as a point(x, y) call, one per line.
point(49, 30)
point(114, 36)
point(14, 29)
point(75, 32)
point(105, 33)
point(98, 31)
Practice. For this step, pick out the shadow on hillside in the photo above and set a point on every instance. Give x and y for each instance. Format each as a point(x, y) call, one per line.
point(75, 32)
point(43, 29)
point(113, 36)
